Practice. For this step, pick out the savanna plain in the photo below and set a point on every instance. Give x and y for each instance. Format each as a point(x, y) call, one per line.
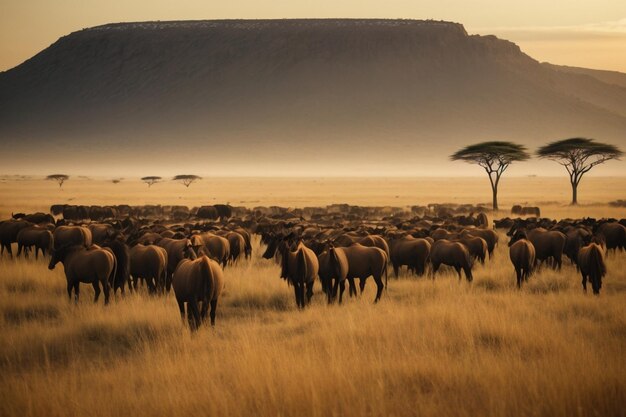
point(438, 347)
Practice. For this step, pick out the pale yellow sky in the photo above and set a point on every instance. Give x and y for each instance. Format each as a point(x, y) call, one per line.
point(590, 34)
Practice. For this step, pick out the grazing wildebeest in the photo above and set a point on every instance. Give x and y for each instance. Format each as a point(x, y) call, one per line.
point(200, 280)
point(149, 263)
point(522, 254)
point(592, 266)
point(39, 237)
point(413, 253)
point(300, 268)
point(93, 266)
point(454, 254)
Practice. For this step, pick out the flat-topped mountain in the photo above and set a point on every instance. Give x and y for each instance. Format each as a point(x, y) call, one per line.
point(329, 96)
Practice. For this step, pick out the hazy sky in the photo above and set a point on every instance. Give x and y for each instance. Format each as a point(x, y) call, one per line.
point(581, 33)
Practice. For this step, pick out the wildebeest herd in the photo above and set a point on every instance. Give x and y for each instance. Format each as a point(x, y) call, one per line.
point(165, 247)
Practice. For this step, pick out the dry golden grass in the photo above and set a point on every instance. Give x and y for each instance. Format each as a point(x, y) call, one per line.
point(442, 348)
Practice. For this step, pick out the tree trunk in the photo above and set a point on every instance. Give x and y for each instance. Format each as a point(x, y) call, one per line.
point(574, 193)
point(495, 198)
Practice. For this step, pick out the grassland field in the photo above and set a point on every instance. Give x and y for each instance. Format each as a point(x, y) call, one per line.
point(438, 347)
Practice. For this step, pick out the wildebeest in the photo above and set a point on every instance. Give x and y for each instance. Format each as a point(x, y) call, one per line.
point(614, 235)
point(592, 266)
point(454, 254)
point(8, 233)
point(413, 253)
point(548, 244)
point(363, 262)
point(490, 236)
point(39, 237)
point(477, 247)
point(214, 246)
point(300, 268)
point(95, 266)
point(122, 255)
point(522, 254)
point(150, 264)
point(199, 280)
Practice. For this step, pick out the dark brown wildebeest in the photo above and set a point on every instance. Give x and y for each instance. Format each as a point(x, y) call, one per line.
point(336, 269)
point(363, 262)
point(490, 236)
point(548, 244)
point(454, 254)
point(9, 230)
point(477, 247)
point(516, 209)
point(122, 255)
point(100, 232)
point(522, 254)
point(150, 264)
point(39, 237)
point(214, 246)
point(614, 235)
point(300, 268)
point(37, 218)
point(200, 280)
point(411, 252)
point(93, 266)
point(592, 266)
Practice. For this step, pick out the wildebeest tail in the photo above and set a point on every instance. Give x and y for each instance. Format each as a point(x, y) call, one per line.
point(302, 266)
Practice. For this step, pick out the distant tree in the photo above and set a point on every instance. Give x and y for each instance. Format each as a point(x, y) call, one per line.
point(578, 156)
point(494, 157)
point(186, 180)
point(151, 180)
point(60, 178)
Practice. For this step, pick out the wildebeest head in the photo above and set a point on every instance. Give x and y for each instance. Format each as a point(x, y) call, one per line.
point(519, 235)
point(59, 254)
point(188, 251)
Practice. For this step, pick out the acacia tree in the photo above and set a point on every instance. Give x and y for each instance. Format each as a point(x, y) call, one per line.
point(186, 180)
point(495, 157)
point(578, 156)
point(60, 178)
point(151, 180)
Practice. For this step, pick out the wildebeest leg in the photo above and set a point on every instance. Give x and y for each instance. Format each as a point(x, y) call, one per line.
point(518, 272)
point(192, 307)
point(331, 291)
point(296, 291)
point(96, 288)
point(380, 285)
point(181, 307)
point(468, 273)
point(595, 286)
point(19, 251)
point(309, 291)
point(76, 291)
point(213, 311)
point(458, 271)
point(434, 270)
point(69, 289)
point(362, 284)
point(106, 288)
point(168, 283)
point(342, 288)
point(204, 310)
point(584, 282)
point(396, 270)
point(352, 287)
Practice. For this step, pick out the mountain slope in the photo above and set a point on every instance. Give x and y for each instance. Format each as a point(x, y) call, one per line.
point(298, 94)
